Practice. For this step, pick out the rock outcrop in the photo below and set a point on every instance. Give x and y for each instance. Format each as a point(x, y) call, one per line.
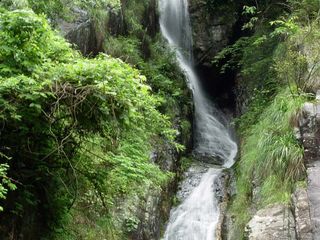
point(309, 133)
point(212, 30)
point(275, 222)
point(83, 32)
point(152, 210)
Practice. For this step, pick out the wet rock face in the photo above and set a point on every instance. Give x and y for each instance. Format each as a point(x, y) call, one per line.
point(211, 31)
point(149, 216)
point(275, 222)
point(80, 16)
point(82, 32)
point(86, 38)
point(192, 178)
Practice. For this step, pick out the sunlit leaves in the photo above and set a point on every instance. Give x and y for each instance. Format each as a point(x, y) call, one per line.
point(26, 41)
point(71, 121)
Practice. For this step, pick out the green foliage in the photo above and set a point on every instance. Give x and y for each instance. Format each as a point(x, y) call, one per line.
point(305, 11)
point(103, 228)
point(77, 132)
point(302, 184)
point(160, 68)
point(13, 4)
point(125, 48)
point(131, 224)
point(230, 57)
point(277, 146)
point(292, 67)
point(257, 103)
point(91, 4)
point(186, 163)
point(163, 74)
point(6, 183)
point(253, 57)
point(26, 42)
point(98, 11)
point(134, 13)
point(251, 12)
point(299, 55)
point(278, 63)
point(272, 159)
point(284, 27)
point(149, 54)
point(54, 9)
point(62, 9)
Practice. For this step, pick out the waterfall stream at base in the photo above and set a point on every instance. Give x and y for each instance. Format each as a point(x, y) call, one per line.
point(197, 216)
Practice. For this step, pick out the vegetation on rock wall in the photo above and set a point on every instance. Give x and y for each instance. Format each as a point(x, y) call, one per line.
point(55, 9)
point(146, 50)
point(280, 72)
point(75, 131)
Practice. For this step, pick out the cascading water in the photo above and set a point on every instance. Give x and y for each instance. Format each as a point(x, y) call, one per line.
point(196, 218)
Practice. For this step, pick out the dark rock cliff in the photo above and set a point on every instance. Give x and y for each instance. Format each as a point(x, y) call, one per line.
point(213, 29)
point(83, 32)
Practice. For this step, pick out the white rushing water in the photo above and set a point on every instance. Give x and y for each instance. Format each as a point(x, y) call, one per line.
point(196, 218)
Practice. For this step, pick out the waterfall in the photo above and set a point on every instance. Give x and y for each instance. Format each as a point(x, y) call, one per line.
point(196, 218)
point(212, 137)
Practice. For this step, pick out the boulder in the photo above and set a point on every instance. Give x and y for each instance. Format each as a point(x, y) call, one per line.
point(274, 222)
point(86, 34)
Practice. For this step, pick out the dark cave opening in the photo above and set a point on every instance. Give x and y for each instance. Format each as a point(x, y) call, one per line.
point(219, 86)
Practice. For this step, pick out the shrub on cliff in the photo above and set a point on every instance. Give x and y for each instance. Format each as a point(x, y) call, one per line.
point(72, 129)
